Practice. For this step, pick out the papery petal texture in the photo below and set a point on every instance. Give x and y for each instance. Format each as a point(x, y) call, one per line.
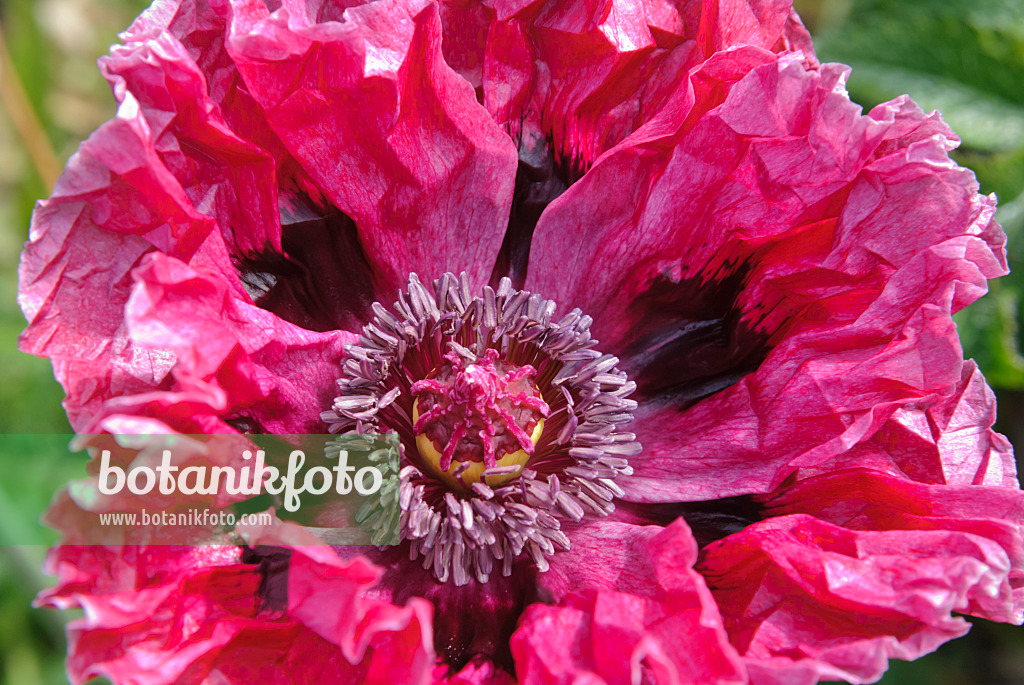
point(187, 615)
point(628, 598)
point(417, 157)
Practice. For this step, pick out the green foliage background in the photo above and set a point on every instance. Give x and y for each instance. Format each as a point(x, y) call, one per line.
point(962, 57)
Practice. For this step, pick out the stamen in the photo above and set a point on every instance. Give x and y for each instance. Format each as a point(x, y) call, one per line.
point(508, 422)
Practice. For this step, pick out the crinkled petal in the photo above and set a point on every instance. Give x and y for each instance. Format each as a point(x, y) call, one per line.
point(271, 372)
point(867, 500)
point(571, 80)
point(198, 28)
point(168, 615)
point(804, 599)
point(586, 75)
point(399, 142)
point(839, 321)
point(627, 597)
point(785, 164)
point(167, 175)
point(327, 595)
point(227, 178)
point(114, 203)
point(216, 141)
point(163, 614)
point(949, 441)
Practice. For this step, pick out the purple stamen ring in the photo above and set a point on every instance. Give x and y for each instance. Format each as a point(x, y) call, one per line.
point(508, 421)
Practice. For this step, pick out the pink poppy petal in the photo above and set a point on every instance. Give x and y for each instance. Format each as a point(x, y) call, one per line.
point(271, 372)
point(418, 164)
point(626, 615)
point(830, 602)
point(114, 203)
point(394, 644)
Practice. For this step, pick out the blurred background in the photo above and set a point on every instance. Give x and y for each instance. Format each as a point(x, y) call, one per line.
point(962, 57)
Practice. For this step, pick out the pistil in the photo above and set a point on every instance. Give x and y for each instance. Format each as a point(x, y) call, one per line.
point(472, 417)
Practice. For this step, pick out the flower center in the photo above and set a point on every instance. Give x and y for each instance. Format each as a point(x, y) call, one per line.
point(508, 422)
point(478, 420)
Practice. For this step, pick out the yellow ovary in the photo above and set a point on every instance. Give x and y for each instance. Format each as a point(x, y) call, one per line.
point(474, 470)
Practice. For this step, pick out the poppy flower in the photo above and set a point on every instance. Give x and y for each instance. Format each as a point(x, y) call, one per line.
point(661, 318)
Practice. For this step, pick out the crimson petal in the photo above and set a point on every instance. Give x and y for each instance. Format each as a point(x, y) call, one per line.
point(627, 598)
point(399, 143)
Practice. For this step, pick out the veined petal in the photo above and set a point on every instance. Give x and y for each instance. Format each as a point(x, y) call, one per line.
point(401, 145)
point(221, 341)
point(627, 598)
point(831, 602)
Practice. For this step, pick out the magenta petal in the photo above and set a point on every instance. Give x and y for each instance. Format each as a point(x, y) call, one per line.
point(392, 644)
point(633, 598)
point(620, 554)
point(189, 615)
point(800, 412)
point(682, 192)
point(804, 599)
point(756, 183)
point(269, 371)
point(417, 163)
point(587, 75)
point(233, 180)
point(948, 442)
point(764, 23)
point(856, 320)
point(167, 175)
point(168, 615)
point(608, 637)
point(199, 27)
point(114, 203)
point(868, 500)
point(477, 673)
